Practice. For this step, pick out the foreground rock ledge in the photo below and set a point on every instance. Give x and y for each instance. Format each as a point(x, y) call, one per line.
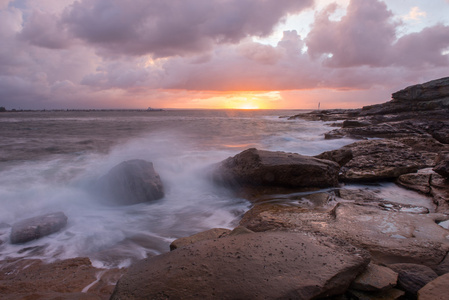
point(268, 265)
point(254, 167)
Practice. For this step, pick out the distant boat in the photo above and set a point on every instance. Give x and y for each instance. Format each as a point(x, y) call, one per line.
point(154, 109)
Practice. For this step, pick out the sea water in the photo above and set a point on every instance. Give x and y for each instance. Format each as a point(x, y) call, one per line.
point(49, 158)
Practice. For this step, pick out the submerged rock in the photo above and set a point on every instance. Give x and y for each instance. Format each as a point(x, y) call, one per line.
point(37, 227)
point(131, 182)
point(254, 167)
point(269, 265)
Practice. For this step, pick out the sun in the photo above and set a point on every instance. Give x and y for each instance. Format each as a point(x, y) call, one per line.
point(249, 106)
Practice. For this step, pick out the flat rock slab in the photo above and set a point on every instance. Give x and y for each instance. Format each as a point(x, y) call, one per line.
point(390, 236)
point(268, 265)
point(254, 167)
point(211, 234)
point(37, 227)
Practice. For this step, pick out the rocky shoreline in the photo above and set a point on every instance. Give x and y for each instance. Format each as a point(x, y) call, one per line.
point(319, 227)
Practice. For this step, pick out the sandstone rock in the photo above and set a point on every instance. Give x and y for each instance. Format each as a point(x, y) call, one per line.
point(211, 234)
point(254, 167)
point(269, 265)
point(439, 189)
point(66, 279)
point(443, 267)
point(376, 160)
point(442, 164)
point(375, 278)
point(437, 289)
point(131, 182)
point(435, 89)
point(355, 123)
point(412, 277)
point(37, 227)
point(419, 181)
point(340, 156)
point(391, 237)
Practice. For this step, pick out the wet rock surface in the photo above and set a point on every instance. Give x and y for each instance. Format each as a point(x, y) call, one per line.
point(269, 265)
point(390, 237)
point(130, 182)
point(37, 227)
point(254, 167)
point(67, 279)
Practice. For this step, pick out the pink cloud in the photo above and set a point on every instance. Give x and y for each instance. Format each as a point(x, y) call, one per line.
point(178, 27)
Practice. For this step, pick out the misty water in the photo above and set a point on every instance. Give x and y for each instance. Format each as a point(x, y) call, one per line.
point(47, 160)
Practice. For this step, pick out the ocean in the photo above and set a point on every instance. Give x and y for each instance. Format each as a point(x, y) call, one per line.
point(48, 159)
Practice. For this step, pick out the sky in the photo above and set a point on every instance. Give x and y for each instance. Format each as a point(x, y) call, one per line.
point(272, 54)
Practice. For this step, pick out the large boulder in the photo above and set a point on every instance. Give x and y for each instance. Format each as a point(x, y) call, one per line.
point(37, 227)
point(270, 265)
point(131, 182)
point(254, 167)
point(375, 278)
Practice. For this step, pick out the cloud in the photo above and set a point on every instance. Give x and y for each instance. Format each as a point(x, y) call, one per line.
point(44, 30)
point(178, 27)
point(362, 37)
point(366, 36)
point(415, 14)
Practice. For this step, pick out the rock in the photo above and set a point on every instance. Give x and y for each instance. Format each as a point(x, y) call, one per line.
point(211, 234)
point(375, 160)
point(437, 289)
point(65, 279)
point(268, 265)
point(340, 156)
point(435, 89)
point(375, 278)
point(37, 227)
point(439, 189)
point(390, 236)
point(442, 164)
point(412, 277)
point(131, 182)
point(355, 123)
point(240, 230)
point(419, 181)
point(391, 294)
point(443, 267)
point(254, 167)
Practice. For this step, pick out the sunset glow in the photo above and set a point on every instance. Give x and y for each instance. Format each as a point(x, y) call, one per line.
point(263, 55)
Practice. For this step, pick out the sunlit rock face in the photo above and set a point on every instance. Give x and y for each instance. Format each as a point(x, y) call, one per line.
point(37, 227)
point(268, 265)
point(130, 182)
point(254, 167)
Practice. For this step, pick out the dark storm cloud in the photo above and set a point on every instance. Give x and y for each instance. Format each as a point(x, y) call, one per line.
point(177, 27)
